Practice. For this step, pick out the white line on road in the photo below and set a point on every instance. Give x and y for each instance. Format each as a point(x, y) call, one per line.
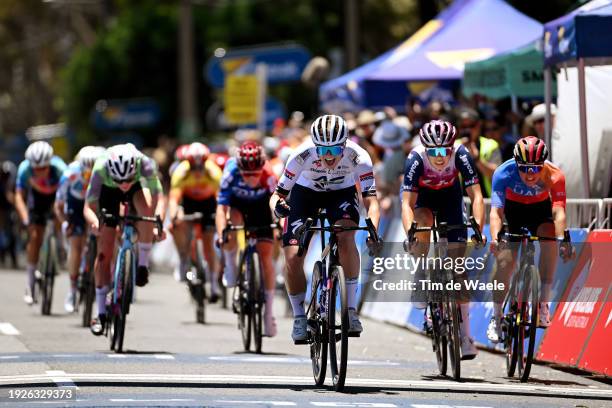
point(8, 357)
point(61, 379)
point(164, 356)
point(8, 329)
point(144, 356)
point(267, 403)
point(371, 382)
point(354, 404)
point(445, 406)
point(295, 360)
point(151, 400)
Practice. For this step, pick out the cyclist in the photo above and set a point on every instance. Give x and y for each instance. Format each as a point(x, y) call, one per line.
point(69, 201)
point(194, 184)
point(122, 174)
point(431, 183)
point(529, 191)
point(246, 187)
point(179, 155)
point(38, 178)
point(322, 173)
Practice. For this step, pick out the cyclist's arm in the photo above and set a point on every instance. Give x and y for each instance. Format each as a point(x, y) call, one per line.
point(559, 220)
point(373, 209)
point(221, 218)
point(499, 184)
point(20, 205)
point(92, 196)
point(475, 193)
point(409, 199)
point(174, 198)
point(558, 198)
point(496, 217)
point(149, 171)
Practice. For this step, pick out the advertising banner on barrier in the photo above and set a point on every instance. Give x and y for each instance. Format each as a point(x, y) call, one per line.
point(581, 305)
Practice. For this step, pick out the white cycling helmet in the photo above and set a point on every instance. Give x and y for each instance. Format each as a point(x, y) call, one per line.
point(438, 133)
point(88, 155)
point(39, 154)
point(329, 130)
point(121, 162)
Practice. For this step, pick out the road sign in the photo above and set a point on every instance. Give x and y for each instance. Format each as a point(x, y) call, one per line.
point(283, 63)
point(121, 115)
point(240, 98)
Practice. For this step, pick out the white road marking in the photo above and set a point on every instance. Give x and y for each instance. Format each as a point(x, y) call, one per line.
point(8, 357)
point(144, 356)
point(295, 360)
point(65, 355)
point(8, 329)
point(164, 356)
point(273, 403)
point(61, 379)
point(151, 400)
point(354, 404)
point(252, 379)
point(446, 406)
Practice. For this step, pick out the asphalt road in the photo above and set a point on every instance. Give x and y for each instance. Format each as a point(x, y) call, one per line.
point(172, 361)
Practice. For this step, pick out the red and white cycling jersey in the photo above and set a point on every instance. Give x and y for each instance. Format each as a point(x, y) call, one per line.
point(305, 168)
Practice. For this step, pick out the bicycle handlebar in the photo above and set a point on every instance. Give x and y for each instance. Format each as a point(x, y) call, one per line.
point(503, 236)
point(302, 230)
point(134, 218)
point(229, 228)
point(443, 227)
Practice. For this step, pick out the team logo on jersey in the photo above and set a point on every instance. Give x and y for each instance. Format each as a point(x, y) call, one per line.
point(466, 163)
point(354, 158)
point(295, 225)
point(289, 174)
point(412, 170)
point(366, 176)
point(301, 158)
point(316, 163)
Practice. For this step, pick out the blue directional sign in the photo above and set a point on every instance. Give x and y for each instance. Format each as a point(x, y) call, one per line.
point(121, 115)
point(284, 63)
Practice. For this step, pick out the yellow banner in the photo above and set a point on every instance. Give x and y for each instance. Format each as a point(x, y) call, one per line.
point(240, 99)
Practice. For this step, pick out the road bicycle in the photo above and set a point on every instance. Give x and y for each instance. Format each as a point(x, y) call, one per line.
point(124, 277)
point(249, 292)
point(520, 308)
point(443, 312)
point(197, 271)
point(327, 313)
point(48, 266)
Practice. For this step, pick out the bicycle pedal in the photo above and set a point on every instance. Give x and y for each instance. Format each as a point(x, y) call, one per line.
point(300, 342)
point(354, 334)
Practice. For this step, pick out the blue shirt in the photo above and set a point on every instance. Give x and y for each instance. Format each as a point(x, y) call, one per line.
point(48, 185)
point(233, 185)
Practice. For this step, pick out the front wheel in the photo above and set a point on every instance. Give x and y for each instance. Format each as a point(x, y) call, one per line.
point(338, 327)
point(256, 300)
point(48, 276)
point(88, 282)
point(438, 340)
point(454, 338)
point(529, 324)
point(317, 325)
point(244, 315)
point(122, 308)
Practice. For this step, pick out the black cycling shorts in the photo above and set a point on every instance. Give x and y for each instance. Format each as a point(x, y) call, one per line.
point(207, 207)
point(111, 198)
point(256, 213)
point(530, 216)
point(448, 205)
point(74, 215)
point(40, 207)
point(305, 203)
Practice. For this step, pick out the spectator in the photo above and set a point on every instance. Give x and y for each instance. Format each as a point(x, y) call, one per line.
point(496, 128)
point(537, 117)
point(484, 151)
point(366, 125)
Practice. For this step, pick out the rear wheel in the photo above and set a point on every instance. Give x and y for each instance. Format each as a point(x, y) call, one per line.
point(338, 327)
point(317, 326)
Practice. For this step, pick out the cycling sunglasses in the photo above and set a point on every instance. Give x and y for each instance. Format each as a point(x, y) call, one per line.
point(333, 150)
point(530, 168)
point(439, 151)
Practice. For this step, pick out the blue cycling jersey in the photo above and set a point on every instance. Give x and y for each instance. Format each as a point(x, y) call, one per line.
point(233, 185)
point(27, 180)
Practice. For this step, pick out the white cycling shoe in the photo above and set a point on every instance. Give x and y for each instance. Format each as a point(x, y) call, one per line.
point(299, 334)
point(544, 315)
point(494, 332)
point(468, 348)
point(269, 326)
point(69, 302)
point(28, 297)
point(355, 326)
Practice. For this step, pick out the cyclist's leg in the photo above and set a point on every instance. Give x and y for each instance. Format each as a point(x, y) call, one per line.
point(76, 238)
point(145, 204)
point(180, 236)
point(548, 257)
point(40, 209)
point(230, 250)
point(423, 215)
point(208, 208)
point(265, 248)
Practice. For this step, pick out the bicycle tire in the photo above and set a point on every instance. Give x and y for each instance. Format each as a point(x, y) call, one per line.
point(454, 338)
point(531, 324)
point(89, 282)
point(338, 333)
point(200, 288)
point(244, 319)
point(510, 345)
point(256, 301)
point(119, 319)
point(319, 329)
point(439, 343)
point(48, 277)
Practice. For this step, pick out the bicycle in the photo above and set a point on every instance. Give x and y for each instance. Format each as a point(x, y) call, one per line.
point(48, 267)
point(248, 295)
point(87, 284)
point(443, 310)
point(196, 274)
point(327, 311)
point(124, 278)
point(520, 309)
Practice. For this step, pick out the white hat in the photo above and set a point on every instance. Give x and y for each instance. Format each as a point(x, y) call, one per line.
point(539, 112)
point(389, 135)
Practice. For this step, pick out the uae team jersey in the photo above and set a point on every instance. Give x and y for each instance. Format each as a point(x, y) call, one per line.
point(420, 173)
point(26, 179)
point(306, 169)
point(233, 185)
point(507, 184)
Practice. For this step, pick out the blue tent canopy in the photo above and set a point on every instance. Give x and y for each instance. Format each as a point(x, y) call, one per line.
point(468, 30)
point(584, 33)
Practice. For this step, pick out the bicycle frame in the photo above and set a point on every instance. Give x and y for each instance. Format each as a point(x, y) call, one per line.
point(126, 244)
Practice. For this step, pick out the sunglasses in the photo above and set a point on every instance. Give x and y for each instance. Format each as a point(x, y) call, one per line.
point(439, 151)
point(530, 168)
point(40, 169)
point(125, 182)
point(333, 150)
point(247, 174)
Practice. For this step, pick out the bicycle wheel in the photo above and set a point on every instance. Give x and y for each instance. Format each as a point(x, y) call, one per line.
point(48, 276)
point(529, 324)
point(123, 302)
point(338, 327)
point(510, 345)
point(438, 340)
point(317, 326)
point(454, 339)
point(199, 290)
point(89, 283)
point(256, 300)
point(244, 315)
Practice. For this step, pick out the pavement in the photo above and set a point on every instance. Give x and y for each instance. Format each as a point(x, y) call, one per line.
point(170, 360)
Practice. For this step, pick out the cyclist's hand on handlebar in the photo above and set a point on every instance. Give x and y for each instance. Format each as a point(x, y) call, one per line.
point(159, 235)
point(374, 245)
point(219, 243)
point(281, 209)
point(479, 244)
point(95, 228)
point(567, 251)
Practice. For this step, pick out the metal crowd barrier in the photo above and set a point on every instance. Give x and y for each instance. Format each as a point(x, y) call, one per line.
point(589, 213)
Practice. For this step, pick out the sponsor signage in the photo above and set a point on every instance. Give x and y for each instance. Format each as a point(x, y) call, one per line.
point(124, 115)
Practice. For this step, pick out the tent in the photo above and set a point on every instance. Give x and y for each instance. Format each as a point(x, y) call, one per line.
point(468, 30)
point(580, 38)
point(516, 74)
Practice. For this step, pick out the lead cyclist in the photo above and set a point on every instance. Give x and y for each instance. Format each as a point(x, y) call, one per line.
point(322, 173)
